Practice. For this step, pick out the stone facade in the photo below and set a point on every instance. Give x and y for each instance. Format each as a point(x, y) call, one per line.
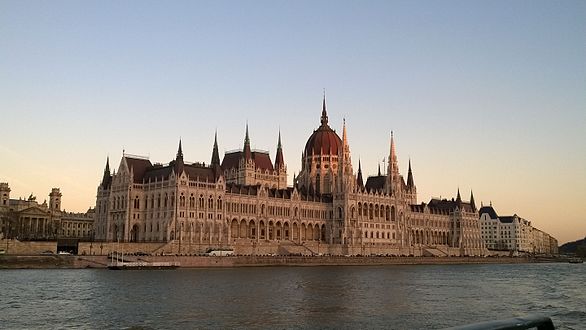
point(513, 233)
point(243, 202)
point(26, 219)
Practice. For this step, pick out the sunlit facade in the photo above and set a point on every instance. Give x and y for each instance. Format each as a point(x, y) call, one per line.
point(243, 202)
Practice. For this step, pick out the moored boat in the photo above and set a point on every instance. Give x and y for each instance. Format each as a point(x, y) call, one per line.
point(576, 261)
point(140, 265)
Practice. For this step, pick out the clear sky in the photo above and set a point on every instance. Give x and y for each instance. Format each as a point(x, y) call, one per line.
point(481, 95)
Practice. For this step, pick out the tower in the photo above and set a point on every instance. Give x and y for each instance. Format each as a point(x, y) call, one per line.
point(411, 188)
point(55, 200)
point(393, 176)
point(280, 167)
point(321, 159)
point(4, 194)
point(359, 181)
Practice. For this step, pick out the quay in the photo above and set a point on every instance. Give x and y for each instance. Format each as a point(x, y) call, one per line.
point(81, 262)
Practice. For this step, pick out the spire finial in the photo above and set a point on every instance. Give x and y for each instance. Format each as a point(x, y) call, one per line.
point(379, 170)
point(279, 146)
point(324, 113)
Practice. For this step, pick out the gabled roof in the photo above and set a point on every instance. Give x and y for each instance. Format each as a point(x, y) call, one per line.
point(157, 172)
point(201, 172)
point(261, 160)
point(375, 182)
point(488, 209)
point(139, 167)
point(449, 205)
point(507, 219)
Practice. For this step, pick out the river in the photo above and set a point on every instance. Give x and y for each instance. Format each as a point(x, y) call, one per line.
point(336, 297)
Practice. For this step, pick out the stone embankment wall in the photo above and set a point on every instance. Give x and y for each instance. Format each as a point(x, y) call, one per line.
point(15, 247)
point(70, 261)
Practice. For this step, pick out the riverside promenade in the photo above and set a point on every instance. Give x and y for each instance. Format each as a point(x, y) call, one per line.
point(80, 262)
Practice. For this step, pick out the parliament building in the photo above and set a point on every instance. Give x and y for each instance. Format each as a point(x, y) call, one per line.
point(242, 202)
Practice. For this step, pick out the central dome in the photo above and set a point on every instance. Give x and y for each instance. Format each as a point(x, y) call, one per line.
point(324, 140)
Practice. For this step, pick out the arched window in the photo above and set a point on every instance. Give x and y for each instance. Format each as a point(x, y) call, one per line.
point(340, 212)
point(159, 201)
point(210, 203)
point(201, 202)
point(219, 203)
point(166, 200)
point(136, 203)
point(359, 209)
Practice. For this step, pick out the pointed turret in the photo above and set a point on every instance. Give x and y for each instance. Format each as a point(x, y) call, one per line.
point(279, 161)
point(247, 152)
point(379, 174)
point(393, 176)
point(459, 198)
point(410, 182)
point(179, 152)
point(359, 180)
point(324, 113)
point(345, 152)
point(215, 152)
point(106, 179)
point(472, 204)
point(179, 160)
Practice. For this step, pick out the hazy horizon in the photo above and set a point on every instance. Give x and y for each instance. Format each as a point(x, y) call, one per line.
point(481, 96)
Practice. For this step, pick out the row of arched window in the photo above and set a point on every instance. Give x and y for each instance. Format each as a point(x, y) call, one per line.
point(372, 211)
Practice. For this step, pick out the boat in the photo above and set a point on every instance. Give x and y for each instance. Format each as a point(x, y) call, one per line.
point(575, 261)
point(117, 263)
point(140, 265)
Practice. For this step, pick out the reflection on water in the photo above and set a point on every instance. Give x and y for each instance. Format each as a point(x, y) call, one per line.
point(395, 297)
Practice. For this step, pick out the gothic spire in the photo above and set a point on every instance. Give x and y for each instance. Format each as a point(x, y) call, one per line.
point(472, 204)
point(215, 153)
point(279, 161)
point(107, 176)
point(107, 169)
point(247, 152)
point(179, 152)
point(410, 182)
point(359, 180)
point(324, 113)
point(459, 198)
point(393, 168)
point(379, 170)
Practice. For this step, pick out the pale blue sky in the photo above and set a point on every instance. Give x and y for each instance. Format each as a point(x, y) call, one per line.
point(482, 95)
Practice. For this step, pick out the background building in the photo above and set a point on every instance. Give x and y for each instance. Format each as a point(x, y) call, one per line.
point(27, 220)
point(513, 233)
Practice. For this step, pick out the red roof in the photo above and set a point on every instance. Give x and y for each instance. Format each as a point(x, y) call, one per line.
point(325, 141)
point(262, 160)
point(139, 167)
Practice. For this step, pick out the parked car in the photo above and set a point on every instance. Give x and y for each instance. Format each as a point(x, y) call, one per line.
point(47, 253)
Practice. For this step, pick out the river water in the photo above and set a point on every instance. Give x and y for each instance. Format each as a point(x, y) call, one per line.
point(342, 297)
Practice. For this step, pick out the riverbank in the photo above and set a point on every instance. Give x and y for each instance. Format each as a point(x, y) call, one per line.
point(80, 262)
